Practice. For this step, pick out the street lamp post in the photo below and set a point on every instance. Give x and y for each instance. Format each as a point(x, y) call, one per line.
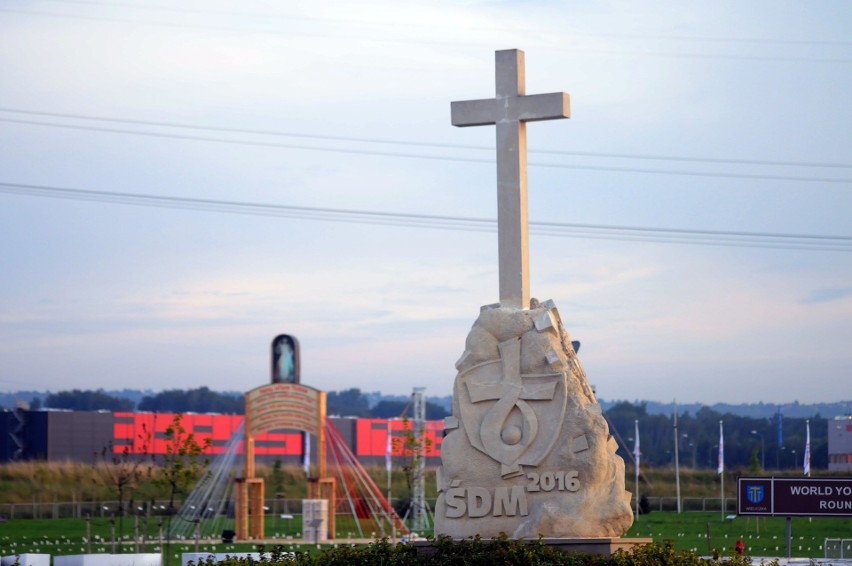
point(795, 461)
point(762, 451)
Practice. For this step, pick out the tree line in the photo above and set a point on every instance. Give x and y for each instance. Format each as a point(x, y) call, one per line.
point(748, 441)
point(346, 403)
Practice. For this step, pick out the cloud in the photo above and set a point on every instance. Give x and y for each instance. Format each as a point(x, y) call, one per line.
point(195, 297)
point(828, 294)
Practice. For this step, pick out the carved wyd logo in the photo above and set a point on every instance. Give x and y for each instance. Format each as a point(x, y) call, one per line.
point(505, 407)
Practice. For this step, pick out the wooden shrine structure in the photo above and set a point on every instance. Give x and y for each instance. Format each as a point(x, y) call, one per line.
point(281, 406)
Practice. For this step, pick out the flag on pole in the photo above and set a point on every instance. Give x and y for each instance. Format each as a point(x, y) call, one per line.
point(721, 467)
point(306, 455)
point(388, 449)
point(636, 453)
point(808, 448)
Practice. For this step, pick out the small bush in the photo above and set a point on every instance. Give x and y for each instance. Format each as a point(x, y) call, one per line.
point(644, 506)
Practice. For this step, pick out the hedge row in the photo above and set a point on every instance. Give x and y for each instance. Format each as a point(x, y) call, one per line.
point(500, 552)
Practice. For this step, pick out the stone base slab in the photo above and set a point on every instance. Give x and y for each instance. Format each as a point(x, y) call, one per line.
point(603, 546)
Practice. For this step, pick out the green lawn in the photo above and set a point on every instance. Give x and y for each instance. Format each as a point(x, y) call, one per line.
point(688, 531)
point(765, 536)
point(68, 536)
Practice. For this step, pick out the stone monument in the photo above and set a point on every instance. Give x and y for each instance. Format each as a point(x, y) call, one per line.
point(527, 452)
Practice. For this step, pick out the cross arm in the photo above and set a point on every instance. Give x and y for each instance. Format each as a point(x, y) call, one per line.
point(474, 112)
point(535, 107)
point(530, 108)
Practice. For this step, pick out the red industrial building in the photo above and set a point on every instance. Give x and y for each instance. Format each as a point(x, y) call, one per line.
point(51, 435)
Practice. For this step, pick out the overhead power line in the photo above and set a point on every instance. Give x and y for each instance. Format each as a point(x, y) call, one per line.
point(387, 141)
point(398, 24)
point(789, 241)
point(707, 174)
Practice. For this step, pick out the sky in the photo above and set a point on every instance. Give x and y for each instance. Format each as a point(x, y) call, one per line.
point(181, 182)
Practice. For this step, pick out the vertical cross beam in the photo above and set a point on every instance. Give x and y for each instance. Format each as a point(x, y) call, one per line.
point(512, 217)
point(509, 111)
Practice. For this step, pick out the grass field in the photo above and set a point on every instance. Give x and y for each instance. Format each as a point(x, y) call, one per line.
point(688, 531)
point(43, 483)
point(68, 536)
point(765, 536)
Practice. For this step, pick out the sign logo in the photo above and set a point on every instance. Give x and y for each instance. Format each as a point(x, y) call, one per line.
point(755, 493)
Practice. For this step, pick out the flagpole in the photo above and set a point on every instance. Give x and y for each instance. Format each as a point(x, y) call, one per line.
point(636, 455)
point(780, 441)
point(721, 469)
point(807, 461)
point(677, 458)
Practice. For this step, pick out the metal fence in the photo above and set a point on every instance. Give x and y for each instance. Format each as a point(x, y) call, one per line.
point(688, 504)
point(838, 547)
point(278, 506)
point(81, 509)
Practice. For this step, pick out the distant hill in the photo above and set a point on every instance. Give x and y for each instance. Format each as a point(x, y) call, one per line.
point(9, 400)
point(752, 410)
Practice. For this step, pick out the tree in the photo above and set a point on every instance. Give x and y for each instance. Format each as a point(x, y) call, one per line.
point(699, 437)
point(183, 462)
point(644, 505)
point(435, 412)
point(201, 400)
point(387, 409)
point(390, 409)
point(754, 461)
point(413, 447)
point(277, 478)
point(78, 400)
point(123, 470)
point(182, 466)
point(347, 403)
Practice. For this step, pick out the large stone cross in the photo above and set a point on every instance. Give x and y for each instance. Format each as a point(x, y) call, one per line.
point(510, 111)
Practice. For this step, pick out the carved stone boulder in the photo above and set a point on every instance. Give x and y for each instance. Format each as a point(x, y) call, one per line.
point(527, 452)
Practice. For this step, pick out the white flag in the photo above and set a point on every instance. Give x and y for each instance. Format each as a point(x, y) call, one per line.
point(388, 449)
point(808, 449)
point(306, 455)
point(636, 453)
point(721, 467)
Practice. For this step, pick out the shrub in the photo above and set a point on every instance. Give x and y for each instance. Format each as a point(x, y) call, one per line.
point(498, 552)
point(644, 506)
